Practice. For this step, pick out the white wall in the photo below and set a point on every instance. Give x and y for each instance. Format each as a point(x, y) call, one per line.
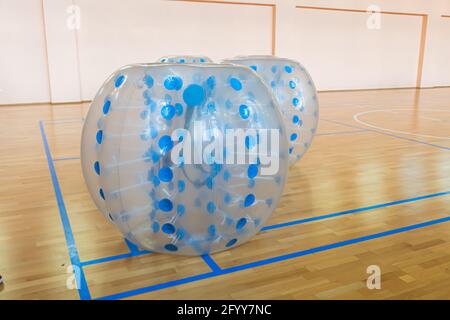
point(23, 61)
point(115, 33)
point(342, 53)
point(437, 67)
point(336, 46)
point(60, 28)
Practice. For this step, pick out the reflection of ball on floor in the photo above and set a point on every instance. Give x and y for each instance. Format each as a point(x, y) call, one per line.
point(296, 95)
point(137, 124)
point(1, 280)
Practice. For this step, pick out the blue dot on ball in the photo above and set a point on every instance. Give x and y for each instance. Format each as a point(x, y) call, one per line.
point(295, 119)
point(209, 183)
point(181, 209)
point(228, 104)
point(249, 142)
point(211, 82)
point(215, 169)
point(235, 84)
point(295, 102)
point(153, 132)
point(155, 156)
point(226, 175)
point(148, 80)
point(165, 143)
point(155, 227)
point(165, 205)
point(165, 174)
point(252, 171)
point(99, 136)
point(211, 107)
point(212, 230)
point(230, 243)
point(241, 223)
point(119, 81)
point(249, 200)
point(171, 247)
point(293, 136)
point(173, 83)
point(106, 106)
point(194, 95)
point(178, 109)
point(244, 111)
point(180, 234)
point(181, 185)
point(102, 194)
point(288, 69)
point(144, 114)
point(97, 167)
point(168, 111)
point(155, 180)
point(253, 68)
point(292, 84)
point(227, 198)
point(168, 228)
point(211, 207)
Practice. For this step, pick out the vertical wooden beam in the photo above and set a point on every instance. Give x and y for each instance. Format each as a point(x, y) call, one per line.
point(423, 40)
point(274, 29)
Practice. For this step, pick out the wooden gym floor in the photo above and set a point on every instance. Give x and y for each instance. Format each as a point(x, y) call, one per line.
point(374, 189)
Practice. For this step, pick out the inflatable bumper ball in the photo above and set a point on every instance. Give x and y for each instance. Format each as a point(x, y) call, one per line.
point(296, 94)
point(185, 158)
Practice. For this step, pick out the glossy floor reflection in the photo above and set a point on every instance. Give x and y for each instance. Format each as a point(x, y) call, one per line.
point(380, 162)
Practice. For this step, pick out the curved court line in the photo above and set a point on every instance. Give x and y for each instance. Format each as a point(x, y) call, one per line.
point(340, 132)
point(356, 118)
point(389, 134)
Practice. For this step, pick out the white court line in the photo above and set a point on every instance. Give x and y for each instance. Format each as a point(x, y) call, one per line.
point(61, 121)
point(356, 118)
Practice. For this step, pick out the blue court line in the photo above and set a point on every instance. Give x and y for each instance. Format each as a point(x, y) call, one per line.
point(66, 158)
point(341, 213)
point(211, 263)
point(135, 251)
point(112, 258)
point(340, 132)
point(290, 223)
point(133, 248)
point(388, 134)
point(272, 260)
point(83, 289)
